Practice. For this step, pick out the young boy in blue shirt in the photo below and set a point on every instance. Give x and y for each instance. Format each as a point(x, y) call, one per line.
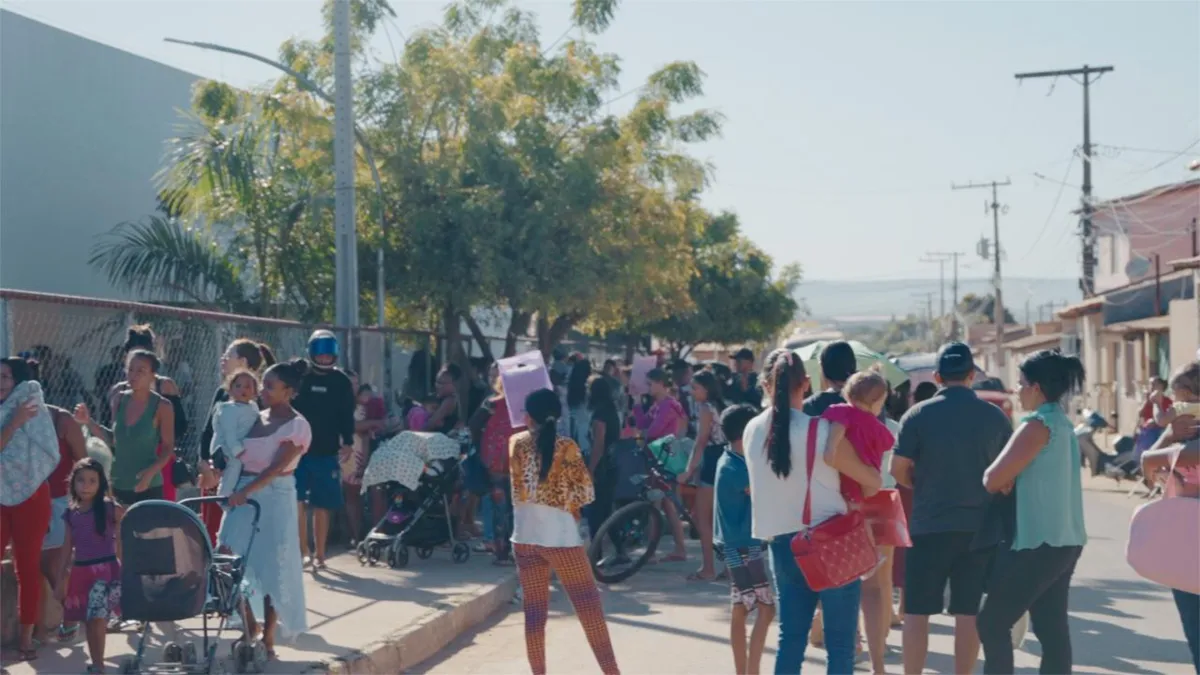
point(750, 583)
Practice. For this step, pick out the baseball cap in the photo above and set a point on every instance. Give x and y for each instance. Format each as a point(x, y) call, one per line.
point(955, 360)
point(743, 354)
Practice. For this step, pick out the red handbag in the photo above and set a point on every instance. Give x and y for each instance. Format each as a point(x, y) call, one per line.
point(839, 550)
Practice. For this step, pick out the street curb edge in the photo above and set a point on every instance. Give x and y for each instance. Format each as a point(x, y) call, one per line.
point(418, 641)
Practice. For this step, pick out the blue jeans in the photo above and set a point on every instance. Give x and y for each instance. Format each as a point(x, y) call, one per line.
point(485, 514)
point(797, 603)
point(1189, 614)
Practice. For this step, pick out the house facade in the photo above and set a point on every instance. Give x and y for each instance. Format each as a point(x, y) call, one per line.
point(1122, 353)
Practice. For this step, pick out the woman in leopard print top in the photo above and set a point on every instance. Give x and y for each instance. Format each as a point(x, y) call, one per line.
point(551, 484)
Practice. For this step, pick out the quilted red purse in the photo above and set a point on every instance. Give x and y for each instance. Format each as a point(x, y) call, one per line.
point(839, 550)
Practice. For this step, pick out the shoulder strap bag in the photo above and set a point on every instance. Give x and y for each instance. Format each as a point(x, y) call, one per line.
point(837, 551)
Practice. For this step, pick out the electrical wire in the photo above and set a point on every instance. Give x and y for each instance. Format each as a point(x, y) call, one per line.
point(1062, 185)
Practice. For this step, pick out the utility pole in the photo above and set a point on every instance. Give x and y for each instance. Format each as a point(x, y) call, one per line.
point(941, 263)
point(927, 300)
point(953, 257)
point(998, 304)
point(1088, 283)
point(346, 251)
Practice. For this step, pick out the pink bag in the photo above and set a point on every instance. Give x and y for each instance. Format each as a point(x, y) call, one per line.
point(1164, 540)
point(522, 375)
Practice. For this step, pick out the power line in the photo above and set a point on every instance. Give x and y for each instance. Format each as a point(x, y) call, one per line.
point(1088, 283)
point(1053, 209)
point(953, 257)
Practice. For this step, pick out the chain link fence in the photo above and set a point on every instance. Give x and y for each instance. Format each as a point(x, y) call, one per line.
point(79, 344)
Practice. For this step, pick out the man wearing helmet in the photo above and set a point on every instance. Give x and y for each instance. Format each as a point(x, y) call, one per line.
point(326, 399)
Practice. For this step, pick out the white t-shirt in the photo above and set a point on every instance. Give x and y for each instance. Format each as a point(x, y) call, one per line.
point(886, 467)
point(779, 502)
point(541, 525)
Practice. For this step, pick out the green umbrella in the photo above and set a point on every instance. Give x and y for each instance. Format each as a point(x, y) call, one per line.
point(866, 358)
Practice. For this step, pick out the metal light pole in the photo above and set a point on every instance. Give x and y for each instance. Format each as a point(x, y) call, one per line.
point(368, 153)
point(343, 164)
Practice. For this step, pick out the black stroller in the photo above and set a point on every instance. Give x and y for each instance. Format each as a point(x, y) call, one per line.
point(418, 518)
point(169, 572)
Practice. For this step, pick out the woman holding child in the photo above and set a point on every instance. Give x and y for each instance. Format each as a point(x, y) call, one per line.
point(786, 470)
point(269, 457)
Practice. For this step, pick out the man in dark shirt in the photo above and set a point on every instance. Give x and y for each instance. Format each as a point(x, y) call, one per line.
point(945, 445)
point(743, 386)
point(838, 363)
point(327, 400)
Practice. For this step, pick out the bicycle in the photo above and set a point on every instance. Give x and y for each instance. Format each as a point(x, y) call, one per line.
point(637, 525)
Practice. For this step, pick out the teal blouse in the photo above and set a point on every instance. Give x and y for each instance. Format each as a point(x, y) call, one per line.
point(1050, 490)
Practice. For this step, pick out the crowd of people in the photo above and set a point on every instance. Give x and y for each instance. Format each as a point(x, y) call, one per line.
point(954, 497)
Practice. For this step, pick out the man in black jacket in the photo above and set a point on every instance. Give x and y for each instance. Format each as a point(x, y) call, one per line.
point(326, 399)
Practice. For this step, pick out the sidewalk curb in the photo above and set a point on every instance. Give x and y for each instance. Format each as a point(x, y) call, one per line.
point(421, 639)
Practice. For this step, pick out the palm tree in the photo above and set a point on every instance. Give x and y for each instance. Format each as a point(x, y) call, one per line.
point(249, 168)
point(158, 258)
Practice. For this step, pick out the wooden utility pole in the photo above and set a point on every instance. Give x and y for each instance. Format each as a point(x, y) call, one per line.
point(953, 257)
point(998, 305)
point(1087, 283)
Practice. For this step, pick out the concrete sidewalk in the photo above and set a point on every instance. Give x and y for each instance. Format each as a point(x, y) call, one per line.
point(361, 619)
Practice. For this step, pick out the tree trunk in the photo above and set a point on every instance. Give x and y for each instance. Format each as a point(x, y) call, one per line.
point(518, 326)
point(550, 334)
point(480, 339)
point(453, 329)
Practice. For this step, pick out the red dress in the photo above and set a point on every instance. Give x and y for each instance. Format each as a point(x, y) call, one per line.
point(867, 434)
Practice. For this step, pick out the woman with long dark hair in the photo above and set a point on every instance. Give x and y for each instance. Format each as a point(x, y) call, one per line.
point(550, 485)
point(579, 418)
point(28, 455)
point(606, 431)
point(1035, 561)
point(777, 456)
point(702, 466)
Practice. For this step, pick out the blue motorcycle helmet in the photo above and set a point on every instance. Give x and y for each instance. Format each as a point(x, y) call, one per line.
point(322, 343)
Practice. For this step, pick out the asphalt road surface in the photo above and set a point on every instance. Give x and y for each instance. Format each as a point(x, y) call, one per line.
point(662, 624)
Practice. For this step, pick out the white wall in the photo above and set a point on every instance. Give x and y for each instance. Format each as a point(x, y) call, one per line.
point(82, 132)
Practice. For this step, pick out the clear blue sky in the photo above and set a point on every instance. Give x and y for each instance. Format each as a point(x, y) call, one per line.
point(847, 121)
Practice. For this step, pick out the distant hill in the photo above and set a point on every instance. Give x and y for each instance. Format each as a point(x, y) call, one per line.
point(868, 301)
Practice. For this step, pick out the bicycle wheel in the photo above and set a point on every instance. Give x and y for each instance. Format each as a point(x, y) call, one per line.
point(625, 542)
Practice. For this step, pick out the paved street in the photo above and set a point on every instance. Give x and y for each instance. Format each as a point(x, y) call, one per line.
point(662, 624)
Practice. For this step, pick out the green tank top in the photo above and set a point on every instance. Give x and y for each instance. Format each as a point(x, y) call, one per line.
point(1050, 490)
point(135, 446)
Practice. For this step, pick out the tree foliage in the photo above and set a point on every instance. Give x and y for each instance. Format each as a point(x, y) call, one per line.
point(982, 309)
point(735, 297)
point(507, 182)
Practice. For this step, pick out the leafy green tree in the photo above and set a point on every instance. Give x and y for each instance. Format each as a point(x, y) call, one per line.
point(982, 309)
point(735, 298)
point(248, 203)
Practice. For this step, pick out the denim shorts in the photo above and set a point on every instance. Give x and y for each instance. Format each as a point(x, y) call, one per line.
point(319, 482)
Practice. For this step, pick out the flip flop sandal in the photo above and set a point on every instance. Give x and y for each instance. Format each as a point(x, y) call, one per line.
point(697, 577)
point(670, 558)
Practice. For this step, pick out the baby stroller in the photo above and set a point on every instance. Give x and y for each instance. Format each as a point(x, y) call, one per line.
point(421, 471)
point(169, 572)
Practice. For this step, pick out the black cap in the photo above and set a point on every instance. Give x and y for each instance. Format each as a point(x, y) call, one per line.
point(955, 360)
point(743, 354)
point(838, 361)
